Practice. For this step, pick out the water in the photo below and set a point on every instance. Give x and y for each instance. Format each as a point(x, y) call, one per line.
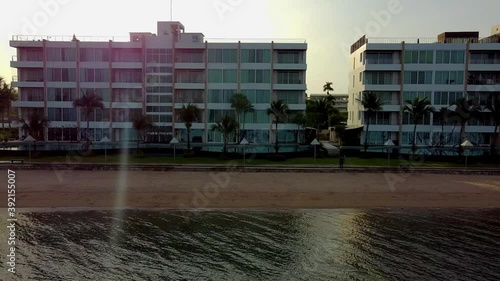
point(259, 245)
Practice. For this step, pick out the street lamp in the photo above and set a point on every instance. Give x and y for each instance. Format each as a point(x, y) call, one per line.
point(105, 140)
point(389, 144)
point(244, 142)
point(174, 141)
point(315, 142)
point(29, 139)
point(466, 144)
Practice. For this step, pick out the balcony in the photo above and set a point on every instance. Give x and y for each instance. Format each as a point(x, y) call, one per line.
point(14, 63)
point(484, 65)
point(35, 104)
point(190, 66)
point(290, 66)
point(288, 87)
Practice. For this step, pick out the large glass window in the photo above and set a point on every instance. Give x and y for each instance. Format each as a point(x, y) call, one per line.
point(449, 77)
point(255, 56)
point(127, 55)
point(450, 57)
point(127, 95)
point(446, 98)
point(220, 96)
point(418, 77)
point(189, 56)
point(255, 76)
point(419, 57)
point(258, 96)
point(290, 77)
point(127, 76)
point(378, 78)
point(291, 97)
point(159, 55)
point(61, 94)
point(62, 114)
point(222, 55)
point(291, 57)
point(189, 96)
point(379, 58)
point(94, 75)
point(32, 94)
point(61, 74)
point(409, 96)
point(190, 76)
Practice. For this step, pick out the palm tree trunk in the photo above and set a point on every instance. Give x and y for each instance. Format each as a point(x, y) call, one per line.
point(276, 148)
point(462, 139)
point(189, 138)
point(414, 144)
point(494, 140)
point(366, 134)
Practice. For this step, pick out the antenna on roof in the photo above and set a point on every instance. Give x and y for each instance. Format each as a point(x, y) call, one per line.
point(171, 10)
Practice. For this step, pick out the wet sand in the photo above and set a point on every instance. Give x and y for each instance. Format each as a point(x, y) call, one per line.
point(148, 189)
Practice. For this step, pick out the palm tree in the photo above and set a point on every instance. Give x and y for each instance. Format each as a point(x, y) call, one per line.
point(88, 102)
point(371, 103)
point(189, 115)
point(494, 107)
point(318, 113)
point(442, 113)
point(7, 96)
point(300, 120)
point(227, 126)
point(328, 87)
point(417, 108)
point(241, 105)
point(35, 125)
point(464, 111)
point(280, 112)
point(141, 124)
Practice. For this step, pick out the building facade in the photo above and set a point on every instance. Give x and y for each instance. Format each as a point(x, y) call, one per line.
point(156, 75)
point(341, 100)
point(456, 65)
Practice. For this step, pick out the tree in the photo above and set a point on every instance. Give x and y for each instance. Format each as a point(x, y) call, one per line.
point(442, 114)
point(35, 125)
point(7, 96)
point(494, 108)
point(227, 126)
point(241, 105)
point(189, 115)
point(371, 104)
point(280, 112)
point(418, 108)
point(464, 111)
point(328, 87)
point(141, 124)
point(300, 120)
point(317, 113)
point(88, 103)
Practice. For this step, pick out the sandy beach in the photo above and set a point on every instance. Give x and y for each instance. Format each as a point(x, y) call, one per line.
point(149, 189)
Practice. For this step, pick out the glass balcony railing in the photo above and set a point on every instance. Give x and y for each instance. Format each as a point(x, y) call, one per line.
point(485, 61)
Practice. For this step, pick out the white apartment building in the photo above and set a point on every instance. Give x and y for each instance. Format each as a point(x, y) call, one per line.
point(457, 64)
point(156, 74)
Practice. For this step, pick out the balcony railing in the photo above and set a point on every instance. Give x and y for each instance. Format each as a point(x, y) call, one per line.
point(68, 38)
point(485, 61)
point(380, 61)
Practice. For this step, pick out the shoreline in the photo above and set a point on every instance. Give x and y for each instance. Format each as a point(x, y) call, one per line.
point(212, 190)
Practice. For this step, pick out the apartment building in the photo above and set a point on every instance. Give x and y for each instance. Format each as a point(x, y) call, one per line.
point(156, 74)
point(455, 65)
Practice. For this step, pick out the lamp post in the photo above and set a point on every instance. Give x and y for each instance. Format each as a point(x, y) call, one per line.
point(389, 144)
point(105, 140)
point(466, 144)
point(174, 141)
point(315, 143)
point(244, 142)
point(29, 139)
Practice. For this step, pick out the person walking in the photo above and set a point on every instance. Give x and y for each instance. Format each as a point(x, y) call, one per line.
point(341, 160)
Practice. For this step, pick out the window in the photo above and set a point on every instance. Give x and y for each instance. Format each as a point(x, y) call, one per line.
point(450, 57)
point(190, 76)
point(258, 76)
point(291, 97)
point(222, 56)
point(255, 56)
point(158, 99)
point(258, 96)
point(103, 93)
point(418, 77)
point(163, 109)
point(220, 96)
point(32, 94)
point(61, 74)
point(447, 98)
point(189, 96)
point(289, 77)
point(222, 76)
point(419, 57)
point(481, 98)
point(31, 54)
point(450, 77)
point(127, 95)
point(94, 75)
point(408, 120)
point(159, 89)
point(61, 94)
point(290, 57)
point(127, 76)
point(33, 75)
point(189, 56)
point(483, 58)
point(378, 78)
point(379, 58)
point(62, 114)
point(99, 115)
point(409, 96)
point(127, 55)
point(159, 55)
point(159, 78)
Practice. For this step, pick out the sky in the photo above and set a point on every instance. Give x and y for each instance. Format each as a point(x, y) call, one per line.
point(328, 26)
